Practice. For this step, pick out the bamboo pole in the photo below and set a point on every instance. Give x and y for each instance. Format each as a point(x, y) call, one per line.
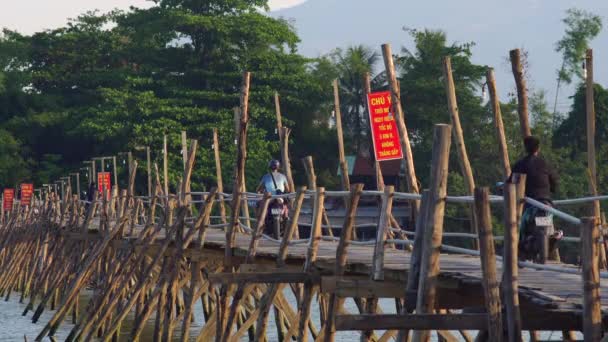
point(239, 168)
point(592, 316)
point(311, 176)
point(429, 266)
point(498, 124)
point(378, 170)
point(285, 132)
point(222, 309)
point(410, 172)
point(341, 154)
point(335, 303)
point(413, 275)
point(510, 276)
point(165, 166)
point(218, 173)
point(382, 231)
point(463, 157)
point(270, 295)
point(149, 171)
point(522, 92)
point(590, 114)
point(277, 111)
point(240, 292)
point(488, 264)
point(184, 148)
point(311, 257)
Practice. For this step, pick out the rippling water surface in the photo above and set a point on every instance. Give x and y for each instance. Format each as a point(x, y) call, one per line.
point(14, 327)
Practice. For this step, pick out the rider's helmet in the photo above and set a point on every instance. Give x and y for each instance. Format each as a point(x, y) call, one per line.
point(274, 164)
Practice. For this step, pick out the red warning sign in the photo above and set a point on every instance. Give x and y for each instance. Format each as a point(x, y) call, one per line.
point(9, 197)
point(383, 126)
point(104, 182)
point(27, 190)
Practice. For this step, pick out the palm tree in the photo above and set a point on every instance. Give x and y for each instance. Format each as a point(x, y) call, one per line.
point(352, 65)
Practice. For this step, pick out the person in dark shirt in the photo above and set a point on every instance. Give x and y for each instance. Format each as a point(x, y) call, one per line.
point(541, 178)
point(541, 183)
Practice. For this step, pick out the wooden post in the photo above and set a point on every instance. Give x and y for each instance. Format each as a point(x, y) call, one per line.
point(522, 92)
point(510, 274)
point(311, 257)
point(463, 157)
point(285, 157)
point(312, 185)
point(429, 266)
point(335, 303)
point(413, 276)
point(498, 124)
point(78, 184)
point(410, 172)
point(184, 147)
point(149, 170)
point(343, 164)
point(277, 110)
point(239, 169)
point(592, 317)
point(379, 178)
point(218, 174)
point(114, 169)
point(130, 162)
point(284, 141)
point(165, 166)
point(590, 113)
point(488, 264)
point(383, 226)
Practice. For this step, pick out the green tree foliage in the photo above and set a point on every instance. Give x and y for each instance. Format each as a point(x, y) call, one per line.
point(106, 83)
point(351, 65)
point(570, 139)
point(425, 103)
point(581, 28)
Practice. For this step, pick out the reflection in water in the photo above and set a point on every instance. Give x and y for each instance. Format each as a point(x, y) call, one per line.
point(14, 327)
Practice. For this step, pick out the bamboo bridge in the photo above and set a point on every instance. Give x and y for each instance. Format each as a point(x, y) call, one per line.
point(155, 258)
point(162, 255)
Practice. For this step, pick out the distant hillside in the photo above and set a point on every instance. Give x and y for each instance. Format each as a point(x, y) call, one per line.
point(495, 27)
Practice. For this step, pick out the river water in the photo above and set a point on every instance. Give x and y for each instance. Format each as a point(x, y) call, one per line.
point(15, 327)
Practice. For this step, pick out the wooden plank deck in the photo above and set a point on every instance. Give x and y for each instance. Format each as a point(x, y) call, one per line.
point(461, 273)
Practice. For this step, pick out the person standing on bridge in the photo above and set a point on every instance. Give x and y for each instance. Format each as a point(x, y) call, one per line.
point(541, 183)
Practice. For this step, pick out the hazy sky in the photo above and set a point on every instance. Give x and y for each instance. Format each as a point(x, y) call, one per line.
point(28, 16)
point(494, 25)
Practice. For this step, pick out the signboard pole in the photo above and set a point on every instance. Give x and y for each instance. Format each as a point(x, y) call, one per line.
point(114, 168)
point(379, 178)
point(78, 183)
point(93, 170)
point(149, 167)
point(410, 173)
point(343, 165)
point(165, 166)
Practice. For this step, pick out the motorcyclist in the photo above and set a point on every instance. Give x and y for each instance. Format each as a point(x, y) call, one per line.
point(274, 182)
point(541, 183)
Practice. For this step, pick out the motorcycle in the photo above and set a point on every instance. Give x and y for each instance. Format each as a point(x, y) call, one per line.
point(538, 235)
point(276, 217)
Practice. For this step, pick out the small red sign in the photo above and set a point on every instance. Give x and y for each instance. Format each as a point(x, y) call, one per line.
point(27, 190)
point(9, 196)
point(104, 182)
point(384, 128)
